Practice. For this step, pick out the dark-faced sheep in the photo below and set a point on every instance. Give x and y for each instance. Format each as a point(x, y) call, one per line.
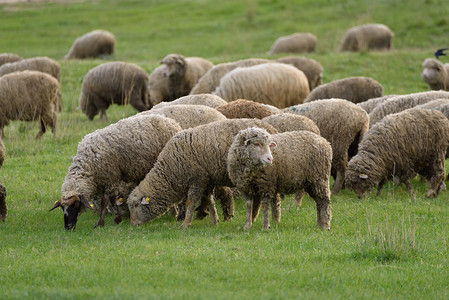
point(93, 44)
point(192, 163)
point(298, 161)
point(114, 82)
point(277, 84)
point(343, 124)
point(367, 37)
point(41, 64)
point(198, 99)
point(354, 89)
point(29, 96)
point(311, 68)
point(295, 43)
point(435, 74)
point(403, 102)
point(8, 58)
point(400, 146)
point(110, 163)
point(3, 206)
point(243, 108)
point(184, 73)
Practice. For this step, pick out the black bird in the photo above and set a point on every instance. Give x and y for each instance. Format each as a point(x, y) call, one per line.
point(440, 52)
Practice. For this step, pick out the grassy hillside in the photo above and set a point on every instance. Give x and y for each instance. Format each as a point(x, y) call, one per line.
point(391, 246)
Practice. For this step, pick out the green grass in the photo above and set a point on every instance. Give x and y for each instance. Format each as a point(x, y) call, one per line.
point(390, 246)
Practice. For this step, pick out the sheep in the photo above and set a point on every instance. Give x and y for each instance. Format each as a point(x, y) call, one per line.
point(400, 103)
point(298, 161)
point(209, 81)
point(400, 146)
point(343, 124)
point(198, 99)
point(41, 64)
point(277, 84)
point(3, 206)
point(372, 103)
point(158, 85)
point(188, 116)
point(114, 82)
point(243, 108)
point(191, 164)
point(97, 43)
point(435, 74)
point(29, 96)
point(311, 68)
point(367, 37)
point(9, 57)
point(184, 73)
point(299, 42)
point(354, 89)
point(110, 163)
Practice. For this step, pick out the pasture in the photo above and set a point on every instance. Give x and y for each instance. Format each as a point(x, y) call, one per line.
point(391, 246)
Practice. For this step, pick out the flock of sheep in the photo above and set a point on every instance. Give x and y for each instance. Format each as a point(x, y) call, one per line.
point(256, 127)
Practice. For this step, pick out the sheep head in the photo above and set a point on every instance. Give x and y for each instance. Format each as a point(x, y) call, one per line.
point(358, 181)
point(176, 65)
point(434, 74)
point(72, 206)
point(254, 144)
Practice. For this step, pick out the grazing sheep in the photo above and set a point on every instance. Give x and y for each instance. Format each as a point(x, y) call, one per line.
point(93, 44)
point(354, 89)
point(435, 74)
point(311, 68)
point(184, 73)
point(8, 58)
point(367, 37)
point(400, 146)
point(188, 116)
point(242, 108)
point(343, 124)
point(114, 82)
point(285, 122)
point(41, 64)
point(158, 85)
point(298, 161)
point(295, 43)
point(209, 81)
point(403, 102)
point(372, 103)
point(110, 163)
point(29, 96)
point(3, 206)
point(277, 84)
point(191, 164)
point(198, 99)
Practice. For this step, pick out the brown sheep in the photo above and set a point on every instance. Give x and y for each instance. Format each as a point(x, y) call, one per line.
point(367, 37)
point(295, 43)
point(93, 44)
point(242, 108)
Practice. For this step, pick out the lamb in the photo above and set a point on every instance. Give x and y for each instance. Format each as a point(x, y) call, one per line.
point(188, 116)
point(184, 73)
point(435, 74)
point(277, 84)
point(97, 43)
point(41, 64)
point(367, 37)
point(110, 163)
point(3, 206)
point(343, 124)
point(198, 99)
point(401, 145)
point(209, 81)
point(8, 58)
point(299, 42)
point(114, 82)
point(354, 89)
point(243, 108)
point(158, 85)
point(372, 103)
point(29, 96)
point(311, 68)
point(191, 164)
point(298, 161)
point(403, 102)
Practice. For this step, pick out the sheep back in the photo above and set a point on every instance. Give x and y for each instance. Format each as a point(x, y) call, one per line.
point(367, 37)
point(210, 100)
point(311, 68)
point(8, 58)
point(41, 64)
point(295, 43)
point(372, 103)
point(354, 89)
point(93, 44)
point(285, 122)
point(243, 108)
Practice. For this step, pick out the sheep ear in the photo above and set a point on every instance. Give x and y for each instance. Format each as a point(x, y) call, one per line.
point(57, 204)
point(363, 176)
point(272, 145)
point(179, 61)
point(145, 201)
point(85, 202)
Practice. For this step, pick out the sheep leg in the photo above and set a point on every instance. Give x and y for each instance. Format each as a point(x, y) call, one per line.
point(212, 210)
point(104, 205)
point(436, 180)
point(380, 186)
point(266, 213)
point(256, 207)
point(298, 197)
point(321, 194)
point(338, 184)
point(224, 196)
point(276, 208)
point(190, 208)
point(3, 206)
point(410, 188)
point(42, 129)
point(249, 213)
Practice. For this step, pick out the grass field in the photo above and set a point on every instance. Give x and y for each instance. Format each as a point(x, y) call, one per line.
point(392, 246)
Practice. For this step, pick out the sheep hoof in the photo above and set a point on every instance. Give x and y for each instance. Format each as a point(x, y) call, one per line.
point(431, 194)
